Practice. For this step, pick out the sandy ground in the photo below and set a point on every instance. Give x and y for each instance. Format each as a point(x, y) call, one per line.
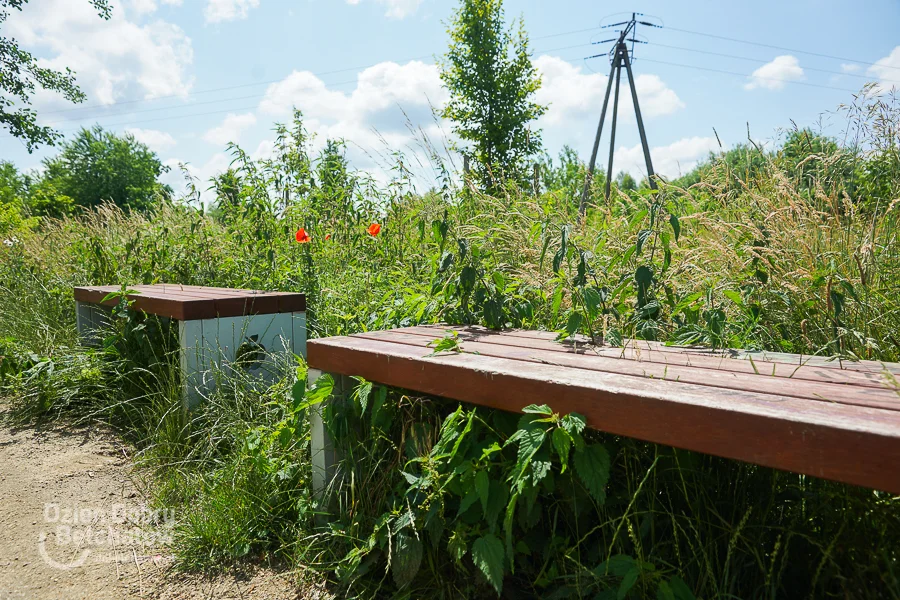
point(73, 525)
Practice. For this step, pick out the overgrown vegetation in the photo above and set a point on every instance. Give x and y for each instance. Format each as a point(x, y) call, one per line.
point(793, 249)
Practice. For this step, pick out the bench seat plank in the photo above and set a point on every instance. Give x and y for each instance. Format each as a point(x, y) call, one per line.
point(684, 356)
point(852, 442)
point(190, 303)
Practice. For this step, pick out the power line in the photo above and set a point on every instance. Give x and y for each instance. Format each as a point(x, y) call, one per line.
point(747, 58)
point(820, 55)
point(146, 110)
point(243, 85)
point(827, 87)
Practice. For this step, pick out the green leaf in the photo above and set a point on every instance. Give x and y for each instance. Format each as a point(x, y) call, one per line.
point(734, 297)
point(407, 558)
point(676, 226)
point(487, 554)
point(557, 301)
point(483, 486)
point(530, 442)
point(361, 393)
point(643, 236)
point(446, 262)
point(562, 443)
point(680, 589)
point(499, 495)
point(536, 409)
point(573, 423)
point(320, 391)
point(508, 530)
point(298, 393)
point(618, 565)
point(592, 467)
point(664, 591)
point(627, 583)
point(467, 277)
point(592, 300)
point(456, 545)
point(574, 323)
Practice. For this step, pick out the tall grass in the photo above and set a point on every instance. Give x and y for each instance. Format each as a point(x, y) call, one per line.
point(796, 256)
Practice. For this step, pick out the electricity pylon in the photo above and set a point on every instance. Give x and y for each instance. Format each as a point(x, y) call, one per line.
point(619, 58)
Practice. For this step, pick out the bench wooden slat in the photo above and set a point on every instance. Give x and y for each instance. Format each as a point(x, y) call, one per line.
point(700, 361)
point(850, 443)
point(188, 303)
point(885, 398)
point(825, 362)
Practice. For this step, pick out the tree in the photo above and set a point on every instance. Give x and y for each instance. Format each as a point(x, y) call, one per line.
point(20, 73)
point(99, 165)
point(491, 81)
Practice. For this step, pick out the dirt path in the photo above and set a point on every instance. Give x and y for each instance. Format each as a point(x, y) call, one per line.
point(73, 525)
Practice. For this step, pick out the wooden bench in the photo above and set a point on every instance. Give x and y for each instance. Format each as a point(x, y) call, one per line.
point(215, 325)
point(833, 419)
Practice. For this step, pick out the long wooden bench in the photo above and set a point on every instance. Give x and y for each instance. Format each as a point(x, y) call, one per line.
point(833, 419)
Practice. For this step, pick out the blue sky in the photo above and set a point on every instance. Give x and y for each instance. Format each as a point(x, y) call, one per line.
point(187, 76)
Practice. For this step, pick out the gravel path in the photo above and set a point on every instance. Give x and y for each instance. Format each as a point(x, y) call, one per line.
point(73, 525)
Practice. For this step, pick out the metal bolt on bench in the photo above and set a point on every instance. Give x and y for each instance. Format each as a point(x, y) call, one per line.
point(216, 326)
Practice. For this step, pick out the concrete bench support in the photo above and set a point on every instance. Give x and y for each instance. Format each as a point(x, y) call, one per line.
point(325, 458)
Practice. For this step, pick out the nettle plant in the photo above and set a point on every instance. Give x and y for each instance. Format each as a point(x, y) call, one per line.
point(514, 500)
point(625, 296)
point(473, 289)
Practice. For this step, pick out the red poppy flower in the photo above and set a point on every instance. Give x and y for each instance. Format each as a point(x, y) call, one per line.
point(302, 236)
point(327, 237)
point(374, 229)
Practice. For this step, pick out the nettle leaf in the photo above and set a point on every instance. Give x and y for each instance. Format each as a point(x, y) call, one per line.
point(537, 409)
point(361, 393)
point(406, 559)
point(643, 236)
point(628, 582)
point(446, 262)
point(592, 300)
point(488, 554)
point(676, 226)
point(539, 470)
point(499, 495)
point(470, 498)
point(320, 391)
point(557, 300)
point(680, 589)
point(508, 530)
point(574, 423)
point(530, 441)
point(482, 487)
point(592, 466)
point(574, 323)
point(456, 545)
point(664, 591)
point(618, 565)
point(562, 443)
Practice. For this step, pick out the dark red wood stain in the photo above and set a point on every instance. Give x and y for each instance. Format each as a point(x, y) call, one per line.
point(190, 302)
point(813, 418)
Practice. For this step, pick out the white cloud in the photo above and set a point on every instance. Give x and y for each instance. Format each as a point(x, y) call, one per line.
point(228, 10)
point(230, 130)
point(396, 9)
point(202, 174)
point(112, 59)
point(158, 141)
point(774, 75)
point(573, 96)
point(143, 7)
point(845, 68)
point(887, 70)
point(671, 161)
